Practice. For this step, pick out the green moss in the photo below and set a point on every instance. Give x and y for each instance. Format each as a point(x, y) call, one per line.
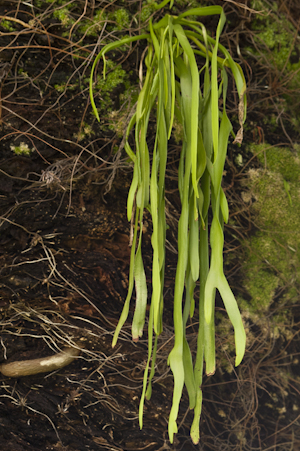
point(64, 16)
point(274, 36)
point(261, 281)
point(260, 5)
point(92, 27)
point(189, 4)
point(146, 13)
point(119, 119)
point(7, 25)
point(85, 131)
point(122, 19)
point(22, 73)
point(272, 263)
point(112, 79)
point(272, 207)
point(118, 20)
point(23, 149)
point(60, 87)
point(281, 160)
point(115, 76)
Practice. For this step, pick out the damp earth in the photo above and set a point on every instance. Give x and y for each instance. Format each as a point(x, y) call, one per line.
point(65, 237)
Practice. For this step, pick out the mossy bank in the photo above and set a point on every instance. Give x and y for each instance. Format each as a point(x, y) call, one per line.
point(271, 268)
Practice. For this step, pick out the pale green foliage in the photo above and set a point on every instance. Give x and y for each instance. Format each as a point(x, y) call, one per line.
point(171, 90)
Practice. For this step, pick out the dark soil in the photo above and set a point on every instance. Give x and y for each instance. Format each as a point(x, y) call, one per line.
point(64, 260)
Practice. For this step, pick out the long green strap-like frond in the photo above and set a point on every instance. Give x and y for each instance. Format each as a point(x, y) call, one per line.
point(172, 93)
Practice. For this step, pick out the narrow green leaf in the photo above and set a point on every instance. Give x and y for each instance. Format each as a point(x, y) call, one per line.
point(224, 206)
point(175, 360)
point(216, 279)
point(187, 356)
point(194, 243)
point(202, 12)
point(145, 378)
point(125, 310)
point(235, 318)
point(106, 49)
point(198, 368)
point(172, 74)
point(173, 43)
point(194, 100)
point(141, 296)
point(152, 371)
point(132, 193)
point(195, 430)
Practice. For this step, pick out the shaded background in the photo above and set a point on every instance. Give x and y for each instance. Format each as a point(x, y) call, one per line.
point(64, 234)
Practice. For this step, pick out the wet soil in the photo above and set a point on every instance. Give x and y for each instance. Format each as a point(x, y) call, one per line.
point(64, 260)
point(64, 278)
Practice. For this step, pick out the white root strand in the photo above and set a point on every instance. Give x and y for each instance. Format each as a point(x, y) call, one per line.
point(42, 365)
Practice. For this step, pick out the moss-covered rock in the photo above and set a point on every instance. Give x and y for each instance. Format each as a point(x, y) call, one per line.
point(272, 265)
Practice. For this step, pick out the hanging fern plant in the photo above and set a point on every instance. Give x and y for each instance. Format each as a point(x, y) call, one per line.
point(171, 89)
